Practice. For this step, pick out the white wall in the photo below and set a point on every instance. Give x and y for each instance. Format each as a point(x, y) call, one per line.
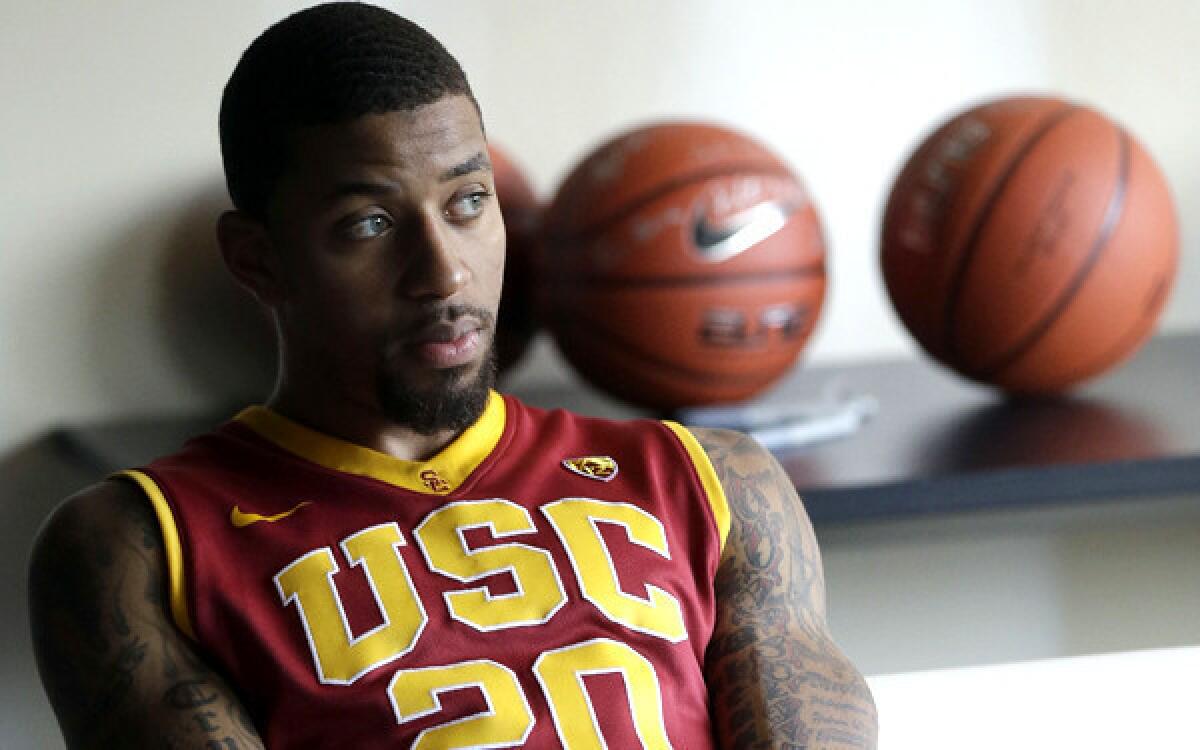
point(1006, 586)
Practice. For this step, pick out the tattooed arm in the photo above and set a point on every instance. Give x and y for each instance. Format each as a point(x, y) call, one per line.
point(775, 677)
point(117, 671)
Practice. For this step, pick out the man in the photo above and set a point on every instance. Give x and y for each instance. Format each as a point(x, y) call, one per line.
point(390, 554)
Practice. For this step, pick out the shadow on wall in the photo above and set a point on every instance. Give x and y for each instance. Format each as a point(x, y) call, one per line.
point(214, 331)
point(168, 324)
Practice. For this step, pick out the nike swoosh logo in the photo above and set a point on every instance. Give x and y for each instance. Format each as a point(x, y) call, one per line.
point(739, 232)
point(240, 519)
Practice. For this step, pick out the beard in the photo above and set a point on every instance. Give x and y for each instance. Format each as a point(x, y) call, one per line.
point(453, 399)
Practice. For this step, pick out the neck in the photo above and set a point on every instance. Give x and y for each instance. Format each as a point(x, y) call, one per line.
point(358, 423)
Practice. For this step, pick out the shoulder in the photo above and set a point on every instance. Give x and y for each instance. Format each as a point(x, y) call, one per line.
point(741, 463)
point(85, 532)
point(113, 505)
point(762, 500)
point(725, 446)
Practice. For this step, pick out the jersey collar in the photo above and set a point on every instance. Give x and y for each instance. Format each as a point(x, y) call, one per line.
point(440, 475)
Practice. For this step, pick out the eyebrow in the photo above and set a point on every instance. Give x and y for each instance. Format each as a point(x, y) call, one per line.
point(363, 187)
point(478, 162)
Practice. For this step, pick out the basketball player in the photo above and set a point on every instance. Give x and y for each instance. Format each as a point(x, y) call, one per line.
point(390, 554)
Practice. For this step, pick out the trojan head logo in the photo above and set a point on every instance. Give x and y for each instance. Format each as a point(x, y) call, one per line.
point(434, 481)
point(602, 468)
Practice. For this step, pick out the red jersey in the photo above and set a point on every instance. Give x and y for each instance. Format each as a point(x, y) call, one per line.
point(546, 580)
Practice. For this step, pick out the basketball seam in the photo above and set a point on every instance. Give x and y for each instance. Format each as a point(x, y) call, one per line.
point(1128, 342)
point(970, 247)
point(748, 277)
point(746, 169)
point(1112, 216)
point(1123, 346)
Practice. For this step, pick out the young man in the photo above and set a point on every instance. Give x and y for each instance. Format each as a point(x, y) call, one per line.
point(390, 554)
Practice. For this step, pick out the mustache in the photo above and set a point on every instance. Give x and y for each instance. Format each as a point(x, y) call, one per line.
point(446, 313)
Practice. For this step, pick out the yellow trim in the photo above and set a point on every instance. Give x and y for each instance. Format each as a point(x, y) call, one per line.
point(708, 478)
point(450, 467)
point(176, 585)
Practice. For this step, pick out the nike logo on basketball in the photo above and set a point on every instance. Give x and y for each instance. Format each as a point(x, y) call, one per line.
point(739, 232)
point(239, 518)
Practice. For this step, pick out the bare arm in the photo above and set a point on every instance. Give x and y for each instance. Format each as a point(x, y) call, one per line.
point(117, 671)
point(776, 678)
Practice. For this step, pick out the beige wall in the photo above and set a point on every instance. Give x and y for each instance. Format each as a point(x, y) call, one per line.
point(112, 302)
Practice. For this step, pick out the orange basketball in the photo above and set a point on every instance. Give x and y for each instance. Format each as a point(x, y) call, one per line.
point(517, 321)
point(1030, 243)
point(685, 265)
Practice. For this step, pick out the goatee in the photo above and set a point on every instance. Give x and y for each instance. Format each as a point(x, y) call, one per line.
point(447, 404)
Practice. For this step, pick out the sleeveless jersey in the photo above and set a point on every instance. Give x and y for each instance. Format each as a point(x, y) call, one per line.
point(544, 581)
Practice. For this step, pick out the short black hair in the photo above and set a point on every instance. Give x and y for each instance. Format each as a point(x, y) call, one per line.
point(324, 65)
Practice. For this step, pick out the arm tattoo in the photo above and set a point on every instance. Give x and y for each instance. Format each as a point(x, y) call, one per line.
point(776, 678)
point(117, 672)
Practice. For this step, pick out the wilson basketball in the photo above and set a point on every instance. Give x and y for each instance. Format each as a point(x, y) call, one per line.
point(517, 321)
point(1030, 243)
point(685, 266)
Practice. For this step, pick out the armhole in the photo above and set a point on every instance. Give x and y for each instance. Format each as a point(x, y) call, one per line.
point(176, 585)
point(713, 490)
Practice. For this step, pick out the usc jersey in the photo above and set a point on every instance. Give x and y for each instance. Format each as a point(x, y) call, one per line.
point(544, 581)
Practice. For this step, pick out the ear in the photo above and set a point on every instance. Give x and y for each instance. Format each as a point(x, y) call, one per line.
point(249, 255)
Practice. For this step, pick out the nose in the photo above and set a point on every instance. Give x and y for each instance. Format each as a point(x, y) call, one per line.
point(435, 269)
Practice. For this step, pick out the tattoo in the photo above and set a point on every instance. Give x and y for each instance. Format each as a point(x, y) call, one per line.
point(190, 694)
point(121, 674)
point(200, 698)
point(205, 720)
point(776, 679)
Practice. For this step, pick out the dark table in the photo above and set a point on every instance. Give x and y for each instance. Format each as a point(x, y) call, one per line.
point(939, 443)
point(936, 444)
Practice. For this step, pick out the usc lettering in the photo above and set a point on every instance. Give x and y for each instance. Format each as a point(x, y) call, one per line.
point(341, 658)
point(575, 521)
point(539, 591)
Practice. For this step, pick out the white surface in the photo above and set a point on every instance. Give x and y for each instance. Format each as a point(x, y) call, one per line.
point(1112, 702)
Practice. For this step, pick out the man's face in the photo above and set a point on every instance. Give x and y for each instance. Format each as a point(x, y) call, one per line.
point(390, 249)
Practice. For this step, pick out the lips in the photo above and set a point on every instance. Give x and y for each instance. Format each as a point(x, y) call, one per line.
point(447, 344)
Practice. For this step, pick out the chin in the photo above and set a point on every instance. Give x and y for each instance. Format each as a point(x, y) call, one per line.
point(439, 400)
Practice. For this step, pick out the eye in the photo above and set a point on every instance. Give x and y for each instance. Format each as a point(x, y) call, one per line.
point(468, 205)
point(368, 227)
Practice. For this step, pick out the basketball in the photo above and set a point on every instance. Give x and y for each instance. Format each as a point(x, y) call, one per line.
point(1030, 243)
point(517, 321)
point(685, 266)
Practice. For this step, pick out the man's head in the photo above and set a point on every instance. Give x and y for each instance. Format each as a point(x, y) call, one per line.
point(324, 65)
point(366, 218)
